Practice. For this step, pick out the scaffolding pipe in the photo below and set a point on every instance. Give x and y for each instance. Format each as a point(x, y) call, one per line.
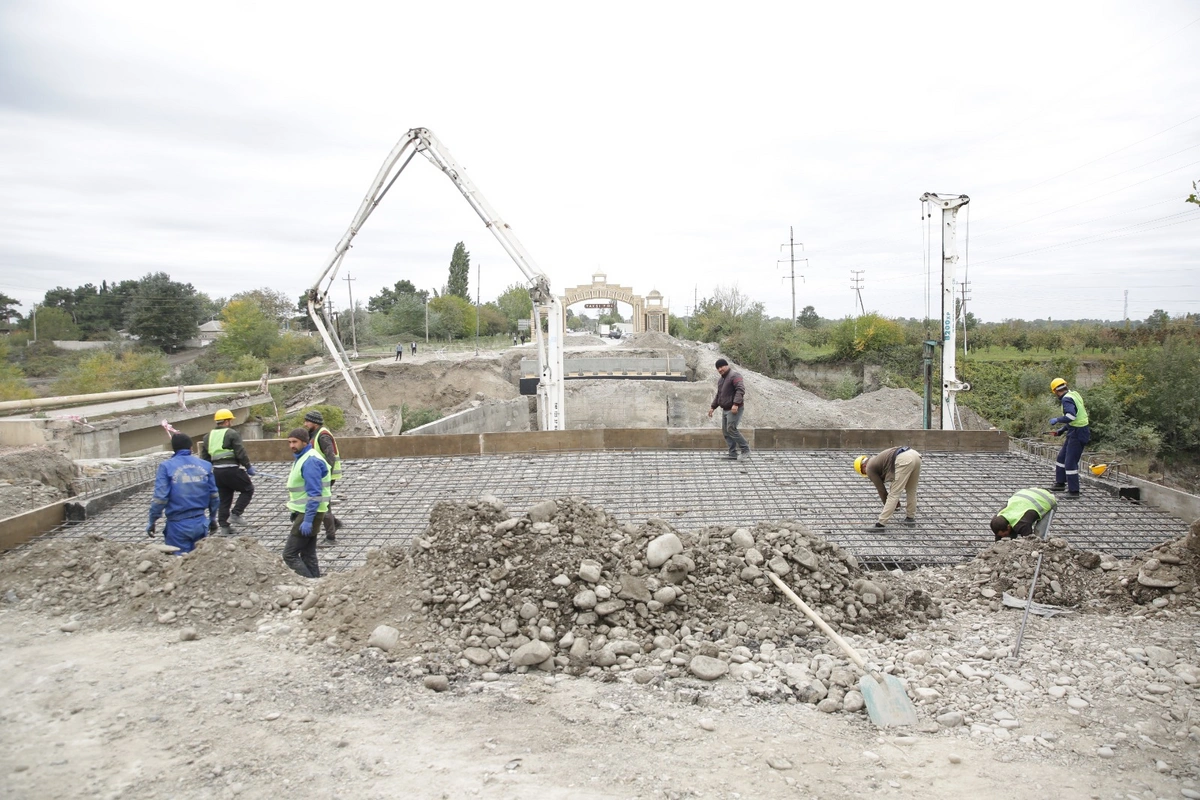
point(133, 394)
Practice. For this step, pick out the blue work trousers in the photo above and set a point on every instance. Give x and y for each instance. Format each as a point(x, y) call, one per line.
point(1066, 466)
point(184, 533)
point(729, 429)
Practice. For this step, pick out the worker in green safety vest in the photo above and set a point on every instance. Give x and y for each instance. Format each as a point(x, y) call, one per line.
point(308, 500)
point(326, 445)
point(231, 468)
point(1025, 514)
point(1075, 417)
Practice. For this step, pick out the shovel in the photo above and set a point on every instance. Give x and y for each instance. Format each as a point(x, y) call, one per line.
point(887, 702)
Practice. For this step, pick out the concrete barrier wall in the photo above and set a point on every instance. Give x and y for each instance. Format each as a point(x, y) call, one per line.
point(491, 417)
point(1176, 503)
point(16, 531)
point(867, 441)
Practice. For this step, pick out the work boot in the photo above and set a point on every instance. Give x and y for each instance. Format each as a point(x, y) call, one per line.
point(744, 456)
point(225, 530)
point(1071, 496)
point(910, 521)
point(337, 524)
point(730, 456)
point(236, 521)
point(1058, 487)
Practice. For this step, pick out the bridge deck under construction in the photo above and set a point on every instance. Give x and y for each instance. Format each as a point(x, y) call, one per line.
point(386, 501)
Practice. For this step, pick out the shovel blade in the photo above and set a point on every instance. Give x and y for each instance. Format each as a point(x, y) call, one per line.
point(887, 703)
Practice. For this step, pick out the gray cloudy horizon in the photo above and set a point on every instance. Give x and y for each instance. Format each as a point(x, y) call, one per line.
point(669, 147)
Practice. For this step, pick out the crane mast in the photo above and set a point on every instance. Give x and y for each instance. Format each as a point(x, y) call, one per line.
point(551, 396)
point(949, 204)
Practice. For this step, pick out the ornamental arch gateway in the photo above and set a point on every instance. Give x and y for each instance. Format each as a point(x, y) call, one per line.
point(649, 312)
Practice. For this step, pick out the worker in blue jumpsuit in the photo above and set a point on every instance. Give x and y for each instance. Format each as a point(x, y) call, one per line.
point(184, 488)
point(1075, 426)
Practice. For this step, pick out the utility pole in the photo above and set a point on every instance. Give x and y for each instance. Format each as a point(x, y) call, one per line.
point(791, 245)
point(35, 308)
point(426, 320)
point(1124, 314)
point(353, 332)
point(963, 309)
point(856, 283)
point(478, 279)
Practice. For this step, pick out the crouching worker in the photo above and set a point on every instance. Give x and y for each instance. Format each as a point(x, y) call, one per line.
point(893, 470)
point(308, 500)
point(1027, 513)
point(184, 488)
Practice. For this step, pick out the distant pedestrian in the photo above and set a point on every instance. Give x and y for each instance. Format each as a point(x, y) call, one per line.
point(1026, 513)
point(308, 499)
point(731, 399)
point(893, 470)
point(514, 340)
point(322, 439)
point(184, 489)
point(399, 351)
point(1066, 466)
point(223, 448)
point(414, 348)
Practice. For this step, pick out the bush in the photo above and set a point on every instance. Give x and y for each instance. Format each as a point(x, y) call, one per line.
point(416, 417)
point(245, 368)
point(854, 338)
point(292, 348)
point(105, 371)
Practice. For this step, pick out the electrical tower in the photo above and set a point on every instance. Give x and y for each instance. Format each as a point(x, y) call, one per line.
point(856, 283)
point(791, 245)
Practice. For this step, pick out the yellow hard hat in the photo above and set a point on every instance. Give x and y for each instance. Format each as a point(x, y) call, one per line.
point(860, 464)
point(1099, 469)
point(222, 413)
point(1056, 384)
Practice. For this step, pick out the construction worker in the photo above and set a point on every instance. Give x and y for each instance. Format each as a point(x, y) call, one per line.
point(1075, 417)
point(184, 489)
point(731, 399)
point(308, 499)
point(895, 468)
point(1027, 513)
point(231, 467)
point(323, 441)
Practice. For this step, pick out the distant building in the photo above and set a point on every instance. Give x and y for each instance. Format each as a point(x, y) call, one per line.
point(208, 333)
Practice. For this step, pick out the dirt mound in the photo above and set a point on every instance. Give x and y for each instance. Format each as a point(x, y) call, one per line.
point(223, 582)
point(31, 477)
point(567, 585)
point(1162, 576)
point(1068, 577)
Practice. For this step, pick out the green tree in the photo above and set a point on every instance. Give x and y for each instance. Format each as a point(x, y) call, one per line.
point(246, 329)
point(451, 317)
point(106, 371)
point(8, 308)
point(273, 303)
point(1158, 320)
point(854, 338)
point(516, 304)
point(809, 318)
point(492, 321)
point(387, 298)
point(459, 284)
point(54, 323)
point(162, 312)
point(12, 379)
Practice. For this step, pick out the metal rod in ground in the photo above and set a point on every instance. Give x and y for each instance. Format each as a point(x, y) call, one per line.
point(1036, 571)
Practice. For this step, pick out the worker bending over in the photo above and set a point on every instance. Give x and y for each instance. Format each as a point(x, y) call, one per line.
point(1066, 466)
point(892, 470)
point(1027, 513)
point(184, 489)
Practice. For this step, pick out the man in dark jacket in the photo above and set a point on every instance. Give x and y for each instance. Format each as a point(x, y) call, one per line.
point(731, 399)
point(231, 467)
point(326, 445)
point(184, 490)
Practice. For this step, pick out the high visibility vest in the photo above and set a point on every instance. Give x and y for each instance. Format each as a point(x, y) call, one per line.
point(1081, 417)
point(335, 469)
point(298, 496)
point(1038, 500)
point(216, 445)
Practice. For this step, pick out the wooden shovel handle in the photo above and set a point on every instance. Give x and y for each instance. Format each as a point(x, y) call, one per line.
point(830, 632)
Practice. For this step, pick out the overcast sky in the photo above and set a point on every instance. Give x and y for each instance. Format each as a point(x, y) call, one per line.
point(668, 145)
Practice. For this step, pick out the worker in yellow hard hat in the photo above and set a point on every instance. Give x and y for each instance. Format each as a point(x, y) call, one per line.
point(1074, 420)
point(231, 467)
point(893, 470)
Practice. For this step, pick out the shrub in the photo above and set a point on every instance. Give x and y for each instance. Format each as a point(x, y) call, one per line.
point(105, 371)
point(335, 418)
point(292, 348)
point(416, 417)
point(854, 338)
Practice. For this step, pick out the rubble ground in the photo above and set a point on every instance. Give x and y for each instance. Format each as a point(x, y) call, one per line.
point(506, 632)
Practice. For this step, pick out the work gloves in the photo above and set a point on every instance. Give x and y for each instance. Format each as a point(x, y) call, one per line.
point(251, 471)
point(306, 528)
point(150, 529)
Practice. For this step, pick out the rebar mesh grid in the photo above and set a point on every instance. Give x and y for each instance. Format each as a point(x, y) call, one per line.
point(386, 502)
point(117, 474)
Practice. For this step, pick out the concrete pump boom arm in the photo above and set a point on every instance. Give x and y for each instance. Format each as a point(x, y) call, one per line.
point(550, 357)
